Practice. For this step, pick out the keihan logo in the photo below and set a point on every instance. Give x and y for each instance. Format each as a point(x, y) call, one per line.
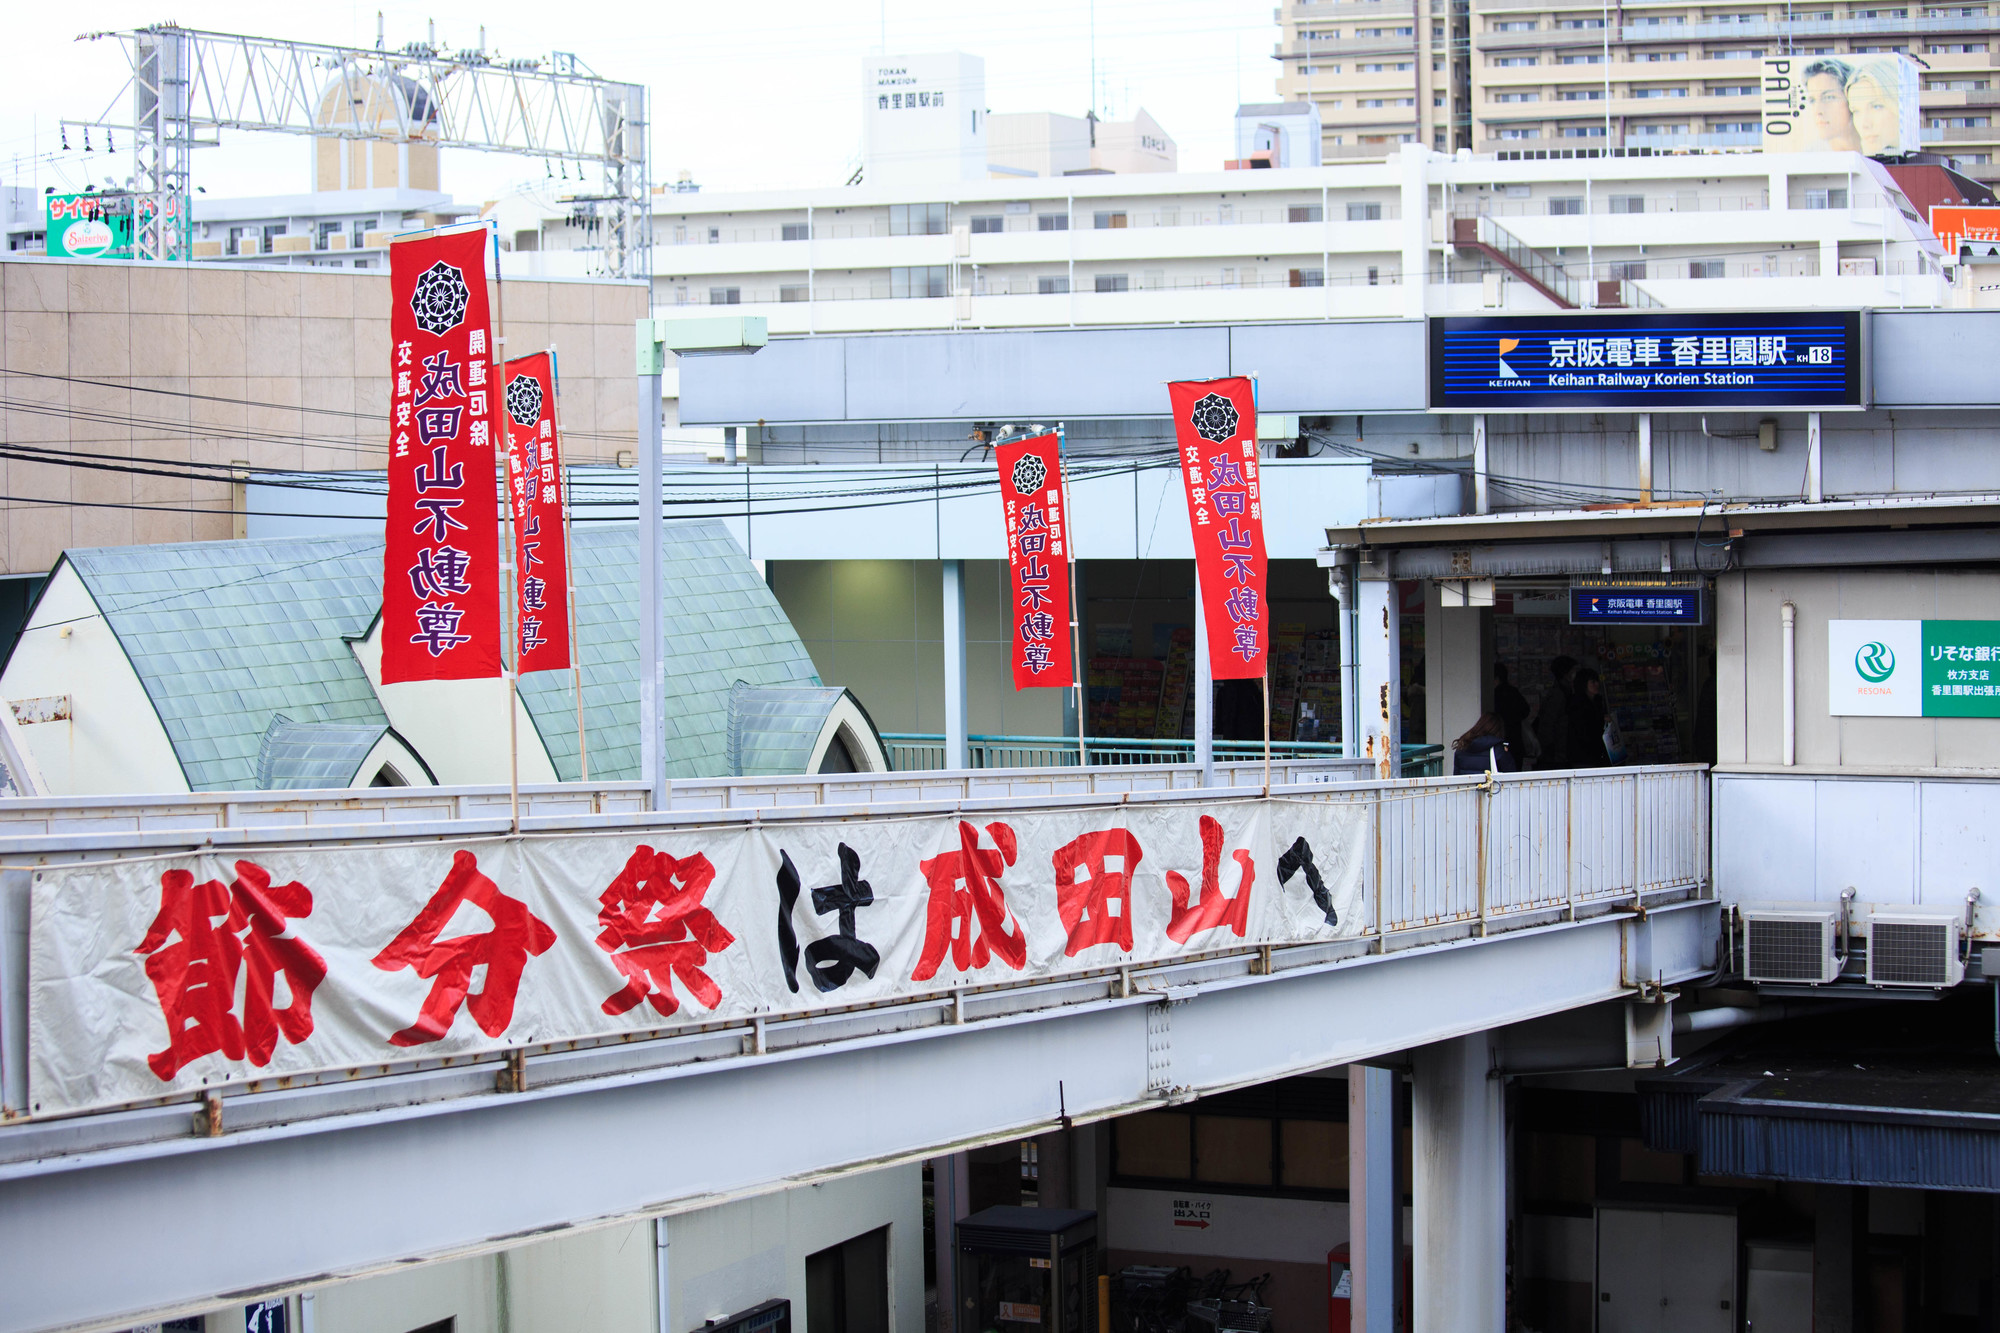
point(1507, 345)
point(1875, 661)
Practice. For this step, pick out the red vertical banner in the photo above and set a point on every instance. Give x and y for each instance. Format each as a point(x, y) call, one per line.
point(1215, 425)
point(1031, 498)
point(441, 559)
point(536, 492)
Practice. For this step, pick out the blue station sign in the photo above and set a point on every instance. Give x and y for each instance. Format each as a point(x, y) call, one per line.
point(1636, 606)
point(1647, 362)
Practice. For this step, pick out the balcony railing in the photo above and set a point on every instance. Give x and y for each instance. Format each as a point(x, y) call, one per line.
point(1028, 224)
point(1806, 28)
point(912, 751)
point(1277, 279)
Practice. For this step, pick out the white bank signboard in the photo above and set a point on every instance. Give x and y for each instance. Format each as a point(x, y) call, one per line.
point(1913, 668)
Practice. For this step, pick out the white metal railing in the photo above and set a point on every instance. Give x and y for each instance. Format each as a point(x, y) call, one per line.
point(1083, 219)
point(1465, 856)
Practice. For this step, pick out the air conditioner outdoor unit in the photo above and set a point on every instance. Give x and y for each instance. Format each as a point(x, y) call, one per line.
point(1789, 946)
point(1914, 949)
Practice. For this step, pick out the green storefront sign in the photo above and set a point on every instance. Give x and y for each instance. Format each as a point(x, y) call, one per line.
point(90, 226)
point(1961, 668)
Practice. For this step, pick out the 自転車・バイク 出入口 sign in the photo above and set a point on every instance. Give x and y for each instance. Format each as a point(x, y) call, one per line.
point(1653, 361)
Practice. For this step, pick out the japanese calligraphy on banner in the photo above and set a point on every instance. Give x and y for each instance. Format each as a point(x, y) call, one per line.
point(1031, 494)
point(535, 492)
point(441, 575)
point(1215, 424)
point(156, 976)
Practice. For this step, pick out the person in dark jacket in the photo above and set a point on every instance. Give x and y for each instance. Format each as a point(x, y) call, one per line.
point(1552, 717)
point(1483, 747)
point(1511, 707)
point(1587, 713)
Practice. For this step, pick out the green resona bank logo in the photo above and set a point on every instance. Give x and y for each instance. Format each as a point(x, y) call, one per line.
point(1875, 662)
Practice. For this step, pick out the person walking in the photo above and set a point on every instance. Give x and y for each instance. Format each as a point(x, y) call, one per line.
point(1511, 707)
point(1483, 747)
point(1587, 714)
point(1552, 714)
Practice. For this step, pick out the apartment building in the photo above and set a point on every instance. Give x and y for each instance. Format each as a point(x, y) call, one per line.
point(1540, 77)
point(1423, 232)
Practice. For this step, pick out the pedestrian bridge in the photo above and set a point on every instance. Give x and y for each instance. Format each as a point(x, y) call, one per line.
point(1421, 911)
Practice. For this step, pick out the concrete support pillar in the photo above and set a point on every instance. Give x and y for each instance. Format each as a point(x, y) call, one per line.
point(1815, 487)
point(1204, 694)
point(1456, 667)
point(1840, 1251)
point(1377, 654)
point(1645, 458)
point(1459, 1189)
point(951, 1199)
point(957, 752)
point(1374, 1204)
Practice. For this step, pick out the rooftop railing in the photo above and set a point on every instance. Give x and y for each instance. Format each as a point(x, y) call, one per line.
point(911, 751)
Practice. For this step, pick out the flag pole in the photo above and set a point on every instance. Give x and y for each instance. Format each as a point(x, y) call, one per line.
point(1075, 604)
point(510, 655)
point(1267, 722)
point(569, 557)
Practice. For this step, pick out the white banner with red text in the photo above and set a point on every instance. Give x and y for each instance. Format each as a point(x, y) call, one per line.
point(159, 976)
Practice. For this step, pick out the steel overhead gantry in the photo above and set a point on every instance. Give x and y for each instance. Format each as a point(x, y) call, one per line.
point(185, 81)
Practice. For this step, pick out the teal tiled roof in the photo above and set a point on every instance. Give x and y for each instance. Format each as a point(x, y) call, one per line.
point(772, 730)
point(722, 625)
point(298, 756)
point(226, 635)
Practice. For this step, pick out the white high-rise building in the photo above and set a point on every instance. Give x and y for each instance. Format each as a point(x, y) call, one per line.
point(923, 119)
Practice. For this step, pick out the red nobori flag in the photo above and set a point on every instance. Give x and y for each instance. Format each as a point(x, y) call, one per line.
point(1031, 497)
point(441, 565)
point(535, 491)
point(1215, 424)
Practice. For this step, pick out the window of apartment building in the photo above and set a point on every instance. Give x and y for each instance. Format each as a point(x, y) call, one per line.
point(1580, 58)
point(1567, 206)
point(358, 237)
point(1736, 18)
point(1514, 25)
point(1828, 198)
point(1582, 131)
point(1520, 134)
point(1704, 268)
point(1109, 221)
point(918, 282)
point(1513, 62)
point(1052, 286)
point(1376, 102)
point(1629, 270)
point(272, 231)
point(1656, 21)
point(1374, 276)
point(234, 245)
point(1881, 13)
point(1654, 131)
point(1406, 32)
point(1659, 92)
point(1052, 222)
point(1437, 34)
point(1580, 23)
point(1876, 50)
point(1364, 212)
point(1114, 282)
point(1437, 99)
point(1308, 277)
point(1580, 95)
point(1979, 159)
point(1383, 68)
point(1304, 213)
point(327, 231)
point(1958, 122)
point(1516, 97)
point(1957, 49)
point(725, 296)
point(1733, 127)
point(916, 219)
point(990, 225)
point(1732, 90)
point(1958, 85)
point(714, 235)
point(1742, 53)
point(1967, 12)
point(795, 231)
point(794, 291)
point(1628, 203)
point(1658, 57)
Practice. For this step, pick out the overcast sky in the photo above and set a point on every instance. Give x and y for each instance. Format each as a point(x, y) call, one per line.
point(750, 97)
